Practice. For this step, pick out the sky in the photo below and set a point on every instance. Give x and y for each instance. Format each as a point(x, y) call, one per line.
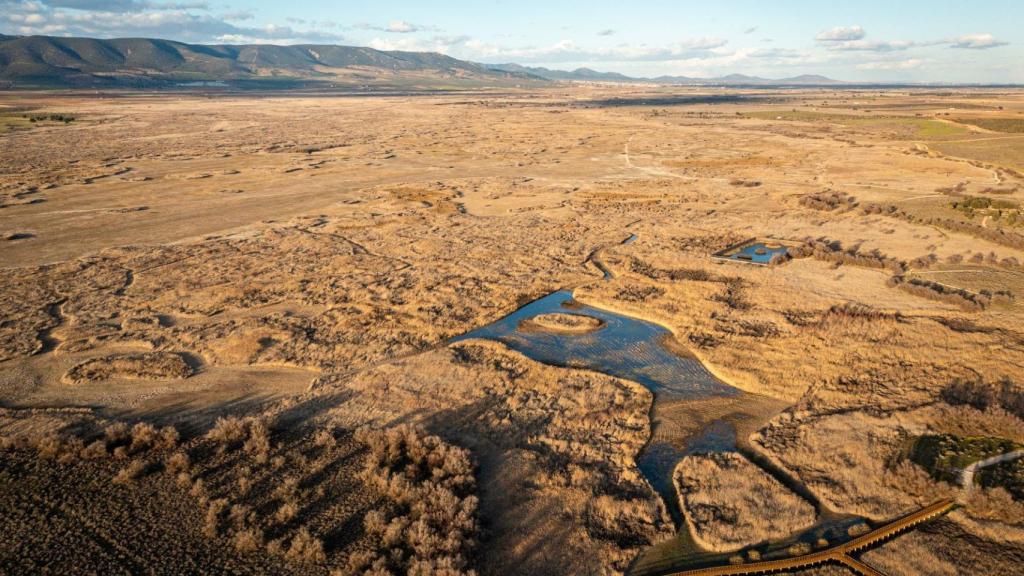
point(894, 40)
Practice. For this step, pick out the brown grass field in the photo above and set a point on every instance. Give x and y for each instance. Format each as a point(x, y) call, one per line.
point(224, 322)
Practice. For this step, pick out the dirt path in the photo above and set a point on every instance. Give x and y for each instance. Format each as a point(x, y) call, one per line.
point(968, 140)
point(967, 474)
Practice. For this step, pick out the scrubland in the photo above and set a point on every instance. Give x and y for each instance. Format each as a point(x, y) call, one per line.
point(224, 325)
point(730, 503)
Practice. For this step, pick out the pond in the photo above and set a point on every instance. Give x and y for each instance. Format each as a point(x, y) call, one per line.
point(625, 347)
point(758, 253)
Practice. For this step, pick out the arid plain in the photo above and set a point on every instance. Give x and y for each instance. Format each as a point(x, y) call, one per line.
point(225, 323)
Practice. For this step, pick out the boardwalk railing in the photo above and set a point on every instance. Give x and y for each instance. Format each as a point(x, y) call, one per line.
point(838, 553)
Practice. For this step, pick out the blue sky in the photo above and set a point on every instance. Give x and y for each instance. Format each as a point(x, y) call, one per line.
point(979, 41)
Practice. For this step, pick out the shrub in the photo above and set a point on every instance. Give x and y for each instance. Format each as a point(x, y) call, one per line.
point(967, 301)
point(248, 540)
point(214, 510)
point(287, 512)
point(258, 443)
point(49, 446)
point(177, 463)
point(980, 395)
point(832, 251)
point(143, 436)
point(431, 526)
point(95, 450)
point(133, 471)
point(116, 433)
point(799, 549)
point(169, 437)
point(306, 548)
point(228, 430)
point(828, 200)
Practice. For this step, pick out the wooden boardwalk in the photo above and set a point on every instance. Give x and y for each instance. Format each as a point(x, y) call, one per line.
point(838, 554)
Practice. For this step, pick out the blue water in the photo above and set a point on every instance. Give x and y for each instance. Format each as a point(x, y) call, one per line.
point(750, 253)
point(625, 347)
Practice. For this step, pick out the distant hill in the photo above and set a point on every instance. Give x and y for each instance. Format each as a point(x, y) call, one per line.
point(48, 61)
point(577, 74)
point(144, 62)
point(586, 74)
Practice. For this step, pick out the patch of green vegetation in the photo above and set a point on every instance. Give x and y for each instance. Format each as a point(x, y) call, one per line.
point(1002, 151)
point(10, 122)
point(1007, 475)
point(1005, 211)
point(65, 118)
point(904, 126)
point(944, 455)
point(933, 129)
point(1009, 125)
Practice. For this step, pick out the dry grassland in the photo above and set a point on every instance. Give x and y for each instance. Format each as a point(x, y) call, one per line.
point(730, 503)
point(269, 274)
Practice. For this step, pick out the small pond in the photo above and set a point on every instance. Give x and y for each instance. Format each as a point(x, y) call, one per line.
point(758, 253)
point(625, 347)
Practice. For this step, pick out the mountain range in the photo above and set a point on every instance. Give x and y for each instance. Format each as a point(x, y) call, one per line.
point(586, 74)
point(48, 61)
point(144, 62)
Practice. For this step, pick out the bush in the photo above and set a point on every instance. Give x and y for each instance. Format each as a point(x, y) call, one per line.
point(967, 301)
point(133, 471)
point(829, 200)
point(229, 430)
point(143, 436)
point(431, 526)
point(248, 540)
point(832, 251)
point(980, 395)
point(177, 463)
point(306, 548)
point(258, 443)
point(116, 433)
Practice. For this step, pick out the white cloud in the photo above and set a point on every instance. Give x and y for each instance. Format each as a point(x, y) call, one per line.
point(976, 42)
point(123, 5)
point(969, 41)
point(872, 45)
point(840, 34)
point(775, 53)
point(401, 27)
point(397, 27)
point(180, 24)
point(908, 64)
point(606, 32)
point(559, 52)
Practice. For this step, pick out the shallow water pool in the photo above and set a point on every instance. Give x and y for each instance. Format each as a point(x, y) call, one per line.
point(625, 347)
